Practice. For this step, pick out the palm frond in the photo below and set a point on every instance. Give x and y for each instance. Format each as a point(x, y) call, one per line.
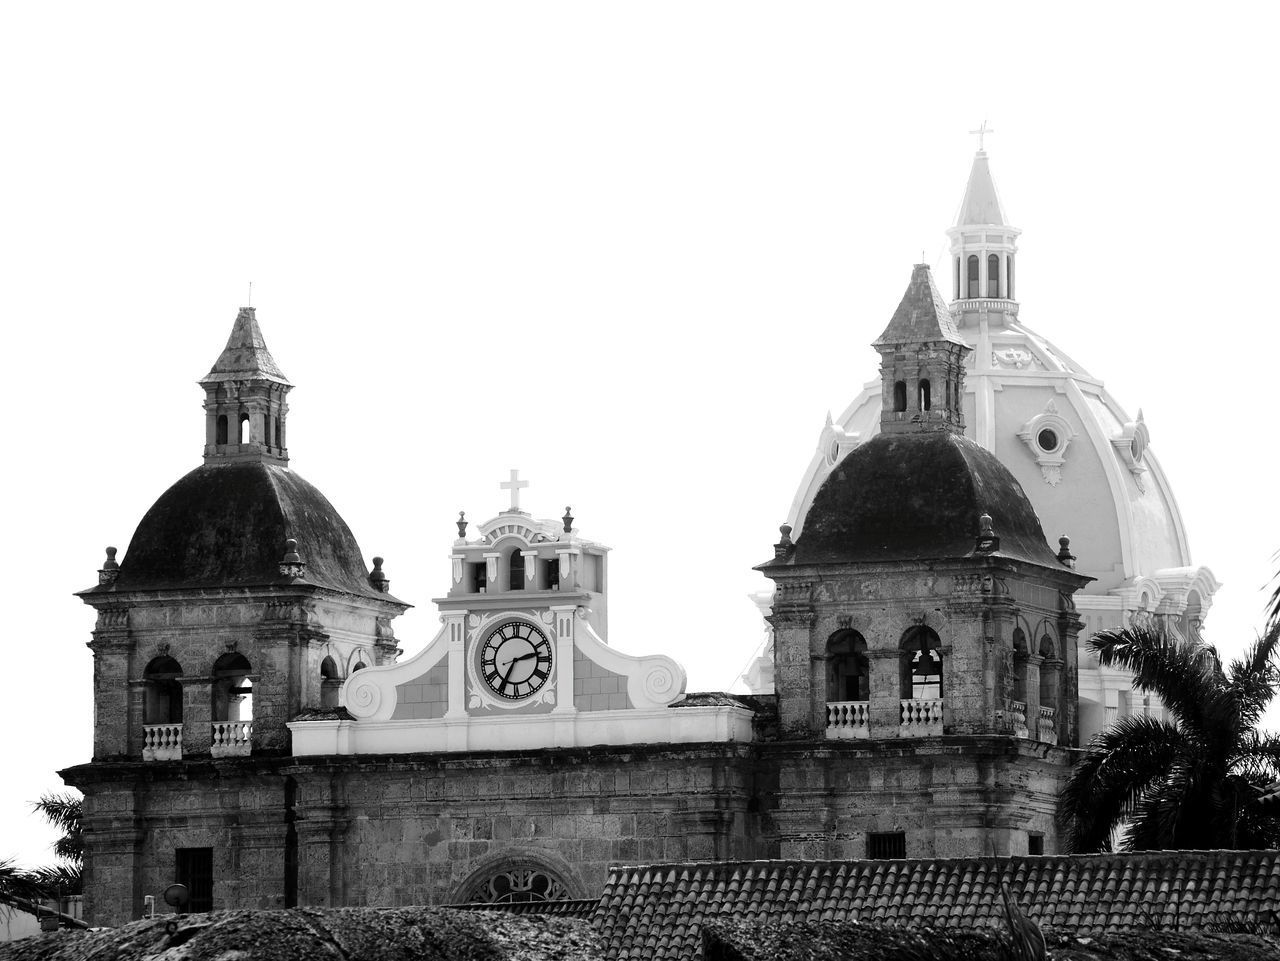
point(64, 811)
point(1184, 673)
point(1121, 766)
point(1254, 678)
point(59, 880)
point(1257, 756)
point(16, 882)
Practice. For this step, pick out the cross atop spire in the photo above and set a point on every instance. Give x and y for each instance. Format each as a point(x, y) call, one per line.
point(515, 485)
point(981, 133)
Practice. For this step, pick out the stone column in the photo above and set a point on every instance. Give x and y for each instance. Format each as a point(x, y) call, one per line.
point(793, 672)
point(1033, 693)
point(113, 840)
point(197, 715)
point(111, 645)
point(885, 691)
point(321, 823)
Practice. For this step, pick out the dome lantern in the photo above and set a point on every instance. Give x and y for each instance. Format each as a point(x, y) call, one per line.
point(983, 248)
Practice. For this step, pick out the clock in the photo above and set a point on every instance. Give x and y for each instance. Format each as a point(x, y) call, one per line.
point(515, 660)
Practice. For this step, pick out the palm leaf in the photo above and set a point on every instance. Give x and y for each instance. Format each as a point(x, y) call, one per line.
point(17, 883)
point(65, 812)
point(1184, 674)
point(1121, 766)
point(1255, 677)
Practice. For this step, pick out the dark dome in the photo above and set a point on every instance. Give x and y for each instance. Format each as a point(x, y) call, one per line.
point(916, 496)
point(226, 526)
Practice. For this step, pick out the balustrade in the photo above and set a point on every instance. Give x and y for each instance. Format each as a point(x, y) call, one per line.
point(231, 738)
point(848, 719)
point(1047, 730)
point(162, 742)
point(1018, 718)
point(921, 717)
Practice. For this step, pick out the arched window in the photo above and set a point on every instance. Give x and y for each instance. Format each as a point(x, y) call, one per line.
point(329, 684)
point(1048, 672)
point(360, 666)
point(516, 581)
point(1019, 665)
point(220, 434)
point(232, 690)
point(993, 276)
point(900, 396)
point(848, 671)
point(266, 432)
point(162, 692)
point(518, 880)
point(244, 428)
point(973, 276)
point(957, 278)
point(277, 426)
point(926, 398)
point(1008, 259)
point(921, 665)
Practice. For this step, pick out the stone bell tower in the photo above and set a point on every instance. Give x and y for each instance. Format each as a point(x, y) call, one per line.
point(921, 601)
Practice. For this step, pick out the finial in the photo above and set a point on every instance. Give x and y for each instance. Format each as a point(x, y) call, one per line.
point(462, 525)
point(250, 304)
point(110, 569)
point(987, 540)
point(784, 546)
point(982, 132)
point(377, 578)
point(1065, 557)
point(292, 565)
point(515, 485)
point(568, 520)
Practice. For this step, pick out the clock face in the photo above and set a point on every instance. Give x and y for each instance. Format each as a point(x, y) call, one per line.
point(515, 660)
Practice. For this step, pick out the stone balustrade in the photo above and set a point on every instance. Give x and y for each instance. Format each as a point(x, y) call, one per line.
point(1047, 731)
point(162, 742)
point(921, 717)
point(848, 719)
point(231, 738)
point(1018, 718)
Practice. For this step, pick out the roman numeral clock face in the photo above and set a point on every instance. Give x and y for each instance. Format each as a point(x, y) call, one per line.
point(515, 660)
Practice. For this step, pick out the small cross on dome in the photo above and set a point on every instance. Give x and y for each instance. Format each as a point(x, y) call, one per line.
point(981, 133)
point(515, 485)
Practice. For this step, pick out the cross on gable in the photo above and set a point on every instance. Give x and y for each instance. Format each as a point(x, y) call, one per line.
point(982, 132)
point(515, 485)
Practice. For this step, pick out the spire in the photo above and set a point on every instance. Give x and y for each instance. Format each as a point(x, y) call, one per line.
point(245, 407)
point(923, 316)
point(246, 356)
point(981, 204)
point(921, 362)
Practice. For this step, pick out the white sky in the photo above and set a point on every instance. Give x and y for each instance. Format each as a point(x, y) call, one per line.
point(636, 250)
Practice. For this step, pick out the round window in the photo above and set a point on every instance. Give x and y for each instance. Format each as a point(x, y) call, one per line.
point(834, 453)
point(1048, 440)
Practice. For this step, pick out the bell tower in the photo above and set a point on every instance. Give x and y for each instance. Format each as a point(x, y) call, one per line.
point(245, 409)
point(921, 362)
point(983, 249)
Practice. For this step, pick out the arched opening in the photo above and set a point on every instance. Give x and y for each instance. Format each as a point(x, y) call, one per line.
point(162, 692)
point(926, 395)
point(516, 880)
point(848, 670)
point(921, 665)
point(1049, 723)
point(360, 666)
point(1019, 665)
point(973, 290)
point(900, 396)
point(330, 683)
point(220, 432)
point(957, 293)
point(993, 276)
point(1008, 260)
point(266, 423)
point(232, 689)
point(244, 428)
point(515, 581)
point(277, 430)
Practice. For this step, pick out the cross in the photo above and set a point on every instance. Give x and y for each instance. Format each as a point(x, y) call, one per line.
point(514, 485)
point(982, 133)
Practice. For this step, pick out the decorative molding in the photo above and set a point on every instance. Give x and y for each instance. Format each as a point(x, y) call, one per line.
point(1047, 436)
point(835, 442)
point(457, 568)
point(1014, 357)
point(1131, 447)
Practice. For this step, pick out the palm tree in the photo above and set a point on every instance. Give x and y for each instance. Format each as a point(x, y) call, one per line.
point(17, 885)
point(65, 812)
point(1199, 782)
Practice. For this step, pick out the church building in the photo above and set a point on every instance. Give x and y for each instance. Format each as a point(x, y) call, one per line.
point(258, 740)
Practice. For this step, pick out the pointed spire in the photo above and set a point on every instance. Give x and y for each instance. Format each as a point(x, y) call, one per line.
point(981, 204)
point(246, 356)
point(922, 316)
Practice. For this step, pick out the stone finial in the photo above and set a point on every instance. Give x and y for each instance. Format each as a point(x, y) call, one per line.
point(377, 578)
point(784, 546)
point(110, 569)
point(987, 541)
point(568, 520)
point(462, 525)
point(1065, 557)
point(292, 564)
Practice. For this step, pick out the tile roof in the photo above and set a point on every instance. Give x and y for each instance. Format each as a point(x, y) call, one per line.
point(582, 908)
point(657, 911)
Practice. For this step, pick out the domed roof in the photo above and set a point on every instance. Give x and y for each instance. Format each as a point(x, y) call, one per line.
point(226, 525)
point(918, 496)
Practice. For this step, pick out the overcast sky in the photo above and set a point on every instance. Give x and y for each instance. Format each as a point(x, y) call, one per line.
point(636, 250)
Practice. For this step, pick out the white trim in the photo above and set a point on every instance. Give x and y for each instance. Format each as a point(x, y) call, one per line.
point(652, 682)
point(680, 725)
point(364, 693)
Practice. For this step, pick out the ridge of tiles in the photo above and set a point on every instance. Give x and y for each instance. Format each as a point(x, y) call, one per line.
point(657, 911)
